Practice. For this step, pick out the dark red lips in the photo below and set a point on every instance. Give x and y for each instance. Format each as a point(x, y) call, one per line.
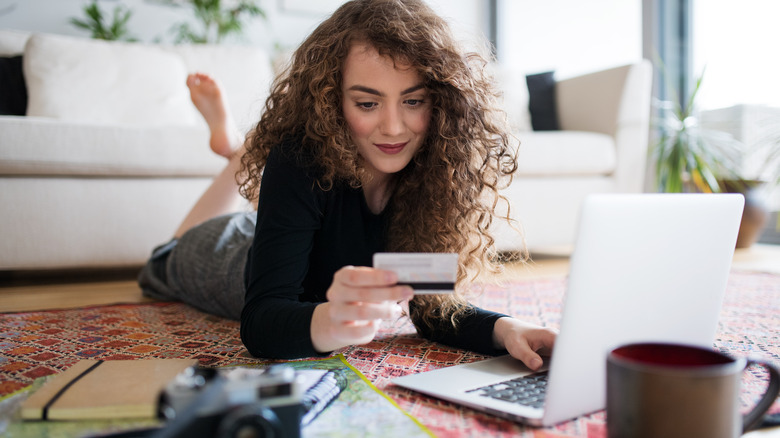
point(391, 149)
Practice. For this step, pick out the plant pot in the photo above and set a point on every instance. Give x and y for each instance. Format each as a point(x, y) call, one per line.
point(755, 214)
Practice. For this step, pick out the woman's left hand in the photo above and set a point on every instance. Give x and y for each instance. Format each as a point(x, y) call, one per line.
point(524, 341)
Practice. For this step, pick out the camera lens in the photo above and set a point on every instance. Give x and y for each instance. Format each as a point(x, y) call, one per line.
point(250, 421)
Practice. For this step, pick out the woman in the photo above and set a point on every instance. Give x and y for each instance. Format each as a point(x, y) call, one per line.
point(381, 136)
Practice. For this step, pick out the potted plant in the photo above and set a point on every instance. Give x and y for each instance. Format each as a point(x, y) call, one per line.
point(218, 19)
point(761, 184)
point(690, 158)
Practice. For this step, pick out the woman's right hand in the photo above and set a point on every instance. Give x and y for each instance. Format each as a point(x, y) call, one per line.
point(358, 300)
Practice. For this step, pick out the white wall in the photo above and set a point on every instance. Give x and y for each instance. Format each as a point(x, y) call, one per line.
point(288, 23)
point(569, 36)
point(152, 21)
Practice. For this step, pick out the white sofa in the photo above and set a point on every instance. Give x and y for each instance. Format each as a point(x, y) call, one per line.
point(601, 147)
point(111, 154)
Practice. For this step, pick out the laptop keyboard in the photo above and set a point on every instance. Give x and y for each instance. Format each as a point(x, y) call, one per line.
point(527, 390)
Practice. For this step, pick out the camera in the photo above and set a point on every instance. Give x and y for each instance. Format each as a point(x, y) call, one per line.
point(233, 402)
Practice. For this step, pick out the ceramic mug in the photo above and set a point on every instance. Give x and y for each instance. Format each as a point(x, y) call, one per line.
point(670, 390)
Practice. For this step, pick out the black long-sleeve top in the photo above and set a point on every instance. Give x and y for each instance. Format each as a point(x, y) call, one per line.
point(304, 234)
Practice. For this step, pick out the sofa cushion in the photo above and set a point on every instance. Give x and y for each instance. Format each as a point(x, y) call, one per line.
point(557, 153)
point(47, 147)
point(541, 101)
point(12, 42)
point(78, 79)
point(13, 92)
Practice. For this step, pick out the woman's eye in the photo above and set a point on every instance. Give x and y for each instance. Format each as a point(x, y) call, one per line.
point(414, 102)
point(366, 105)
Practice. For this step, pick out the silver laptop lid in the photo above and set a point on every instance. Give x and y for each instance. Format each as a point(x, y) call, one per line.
point(645, 267)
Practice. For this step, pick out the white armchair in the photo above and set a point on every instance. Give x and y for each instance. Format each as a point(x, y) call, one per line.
point(601, 148)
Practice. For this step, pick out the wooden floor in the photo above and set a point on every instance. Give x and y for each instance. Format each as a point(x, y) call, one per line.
point(51, 292)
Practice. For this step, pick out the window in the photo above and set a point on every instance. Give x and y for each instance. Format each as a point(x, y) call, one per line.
point(736, 41)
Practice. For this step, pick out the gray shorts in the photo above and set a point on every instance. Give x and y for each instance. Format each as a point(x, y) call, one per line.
point(205, 267)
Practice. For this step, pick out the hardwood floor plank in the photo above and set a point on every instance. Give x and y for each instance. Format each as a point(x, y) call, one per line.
point(65, 296)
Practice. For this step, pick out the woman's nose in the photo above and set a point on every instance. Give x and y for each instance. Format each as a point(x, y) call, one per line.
point(392, 122)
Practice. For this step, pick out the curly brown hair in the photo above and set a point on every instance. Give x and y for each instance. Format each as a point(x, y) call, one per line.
point(446, 198)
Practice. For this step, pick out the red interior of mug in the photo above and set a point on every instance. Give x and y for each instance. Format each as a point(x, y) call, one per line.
point(670, 355)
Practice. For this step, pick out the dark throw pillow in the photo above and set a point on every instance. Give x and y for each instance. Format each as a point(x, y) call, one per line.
point(13, 91)
point(541, 101)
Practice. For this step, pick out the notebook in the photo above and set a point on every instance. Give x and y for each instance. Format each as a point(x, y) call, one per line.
point(96, 389)
point(645, 267)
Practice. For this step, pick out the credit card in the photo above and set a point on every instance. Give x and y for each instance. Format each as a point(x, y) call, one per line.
point(426, 273)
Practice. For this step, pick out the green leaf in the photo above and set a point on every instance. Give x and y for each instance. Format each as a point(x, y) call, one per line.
point(216, 20)
point(96, 22)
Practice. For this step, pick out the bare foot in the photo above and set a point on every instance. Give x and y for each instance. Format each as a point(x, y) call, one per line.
point(208, 99)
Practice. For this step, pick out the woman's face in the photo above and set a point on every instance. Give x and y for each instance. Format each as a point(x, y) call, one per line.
point(386, 108)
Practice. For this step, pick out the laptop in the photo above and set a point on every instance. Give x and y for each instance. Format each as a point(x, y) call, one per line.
point(645, 267)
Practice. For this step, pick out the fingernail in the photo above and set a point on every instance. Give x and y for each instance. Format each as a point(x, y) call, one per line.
point(408, 292)
point(391, 277)
point(536, 363)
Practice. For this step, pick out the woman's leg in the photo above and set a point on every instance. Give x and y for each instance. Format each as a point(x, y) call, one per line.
point(222, 196)
point(204, 267)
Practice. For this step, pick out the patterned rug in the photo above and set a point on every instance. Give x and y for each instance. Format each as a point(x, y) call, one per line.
point(38, 344)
